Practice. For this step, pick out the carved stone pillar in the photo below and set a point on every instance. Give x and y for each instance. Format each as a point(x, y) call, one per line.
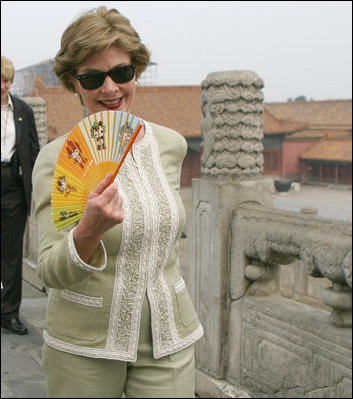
point(231, 167)
point(232, 126)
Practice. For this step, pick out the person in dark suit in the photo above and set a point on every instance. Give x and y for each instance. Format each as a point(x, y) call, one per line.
point(19, 150)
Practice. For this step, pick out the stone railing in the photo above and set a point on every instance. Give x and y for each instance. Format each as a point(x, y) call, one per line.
point(262, 239)
point(258, 343)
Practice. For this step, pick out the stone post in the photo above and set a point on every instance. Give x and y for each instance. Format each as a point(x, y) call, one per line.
point(39, 108)
point(232, 163)
point(30, 241)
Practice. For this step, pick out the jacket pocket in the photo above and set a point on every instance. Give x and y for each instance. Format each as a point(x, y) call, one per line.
point(82, 299)
point(185, 306)
point(75, 316)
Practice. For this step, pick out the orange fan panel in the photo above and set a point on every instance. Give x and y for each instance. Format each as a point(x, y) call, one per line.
point(97, 145)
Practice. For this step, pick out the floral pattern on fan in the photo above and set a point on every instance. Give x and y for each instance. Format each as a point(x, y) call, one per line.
point(96, 145)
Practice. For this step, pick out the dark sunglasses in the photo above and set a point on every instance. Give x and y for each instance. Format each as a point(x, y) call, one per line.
point(91, 81)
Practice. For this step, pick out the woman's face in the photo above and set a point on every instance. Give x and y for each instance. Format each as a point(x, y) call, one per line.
point(110, 96)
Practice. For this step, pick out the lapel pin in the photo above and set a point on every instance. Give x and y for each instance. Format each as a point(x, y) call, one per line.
point(20, 119)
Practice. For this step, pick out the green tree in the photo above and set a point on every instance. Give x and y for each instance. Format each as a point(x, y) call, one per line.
point(300, 98)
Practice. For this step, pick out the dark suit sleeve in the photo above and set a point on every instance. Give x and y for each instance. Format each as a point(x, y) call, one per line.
point(33, 136)
point(27, 143)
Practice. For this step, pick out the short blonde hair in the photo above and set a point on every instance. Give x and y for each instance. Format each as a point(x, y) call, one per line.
point(93, 31)
point(7, 68)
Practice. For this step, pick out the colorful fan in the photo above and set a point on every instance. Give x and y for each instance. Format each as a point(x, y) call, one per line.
point(96, 145)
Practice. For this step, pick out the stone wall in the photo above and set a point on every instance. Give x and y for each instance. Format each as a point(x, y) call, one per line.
point(40, 115)
point(30, 244)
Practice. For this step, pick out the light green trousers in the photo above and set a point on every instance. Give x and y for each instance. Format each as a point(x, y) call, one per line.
point(72, 376)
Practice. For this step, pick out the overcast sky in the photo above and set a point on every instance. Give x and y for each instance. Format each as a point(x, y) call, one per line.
point(296, 47)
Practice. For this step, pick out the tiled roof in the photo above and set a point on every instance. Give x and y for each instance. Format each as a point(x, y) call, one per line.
point(331, 113)
point(274, 125)
point(330, 150)
point(177, 107)
point(64, 110)
point(319, 134)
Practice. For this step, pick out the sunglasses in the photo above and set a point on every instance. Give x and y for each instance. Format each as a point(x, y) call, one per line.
point(91, 81)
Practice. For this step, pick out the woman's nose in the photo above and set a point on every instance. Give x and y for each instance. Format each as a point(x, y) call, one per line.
point(109, 84)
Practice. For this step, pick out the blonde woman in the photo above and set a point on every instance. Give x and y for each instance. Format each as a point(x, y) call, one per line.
point(119, 316)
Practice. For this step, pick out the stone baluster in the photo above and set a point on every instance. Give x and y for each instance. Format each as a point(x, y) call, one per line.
point(232, 162)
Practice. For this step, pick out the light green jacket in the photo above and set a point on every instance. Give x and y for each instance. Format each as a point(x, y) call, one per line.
point(94, 309)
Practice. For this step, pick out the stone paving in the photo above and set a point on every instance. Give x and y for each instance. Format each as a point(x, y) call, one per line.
point(332, 202)
point(21, 355)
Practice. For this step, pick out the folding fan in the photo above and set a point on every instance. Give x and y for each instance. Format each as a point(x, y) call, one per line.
point(96, 145)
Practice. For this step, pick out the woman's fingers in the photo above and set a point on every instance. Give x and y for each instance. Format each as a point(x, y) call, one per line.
point(104, 202)
point(104, 209)
point(102, 185)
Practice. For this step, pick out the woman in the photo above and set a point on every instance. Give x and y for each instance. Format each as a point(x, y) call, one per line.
point(119, 317)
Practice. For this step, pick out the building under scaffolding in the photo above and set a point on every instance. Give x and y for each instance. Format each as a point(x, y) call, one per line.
point(24, 78)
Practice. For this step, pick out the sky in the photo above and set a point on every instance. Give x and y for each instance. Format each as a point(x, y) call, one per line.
point(296, 47)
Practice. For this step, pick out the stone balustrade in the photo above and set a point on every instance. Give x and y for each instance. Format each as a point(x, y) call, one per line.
point(265, 238)
point(258, 343)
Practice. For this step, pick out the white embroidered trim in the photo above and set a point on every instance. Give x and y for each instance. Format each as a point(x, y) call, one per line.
point(179, 285)
point(182, 344)
point(163, 302)
point(79, 262)
point(115, 354)
point(120, 270)
point(88, 351)
point(82, 299)
point(130, 269)
point(118, 281)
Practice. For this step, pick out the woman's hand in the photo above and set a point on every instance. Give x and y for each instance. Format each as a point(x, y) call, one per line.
point(104, 209)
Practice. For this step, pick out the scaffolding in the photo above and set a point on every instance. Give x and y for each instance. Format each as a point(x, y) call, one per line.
point(150, 76)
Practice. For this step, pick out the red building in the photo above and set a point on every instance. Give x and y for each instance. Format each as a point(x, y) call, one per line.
point(329, 160)
point(278, 158)
point(177, 107)
point(319, 151)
